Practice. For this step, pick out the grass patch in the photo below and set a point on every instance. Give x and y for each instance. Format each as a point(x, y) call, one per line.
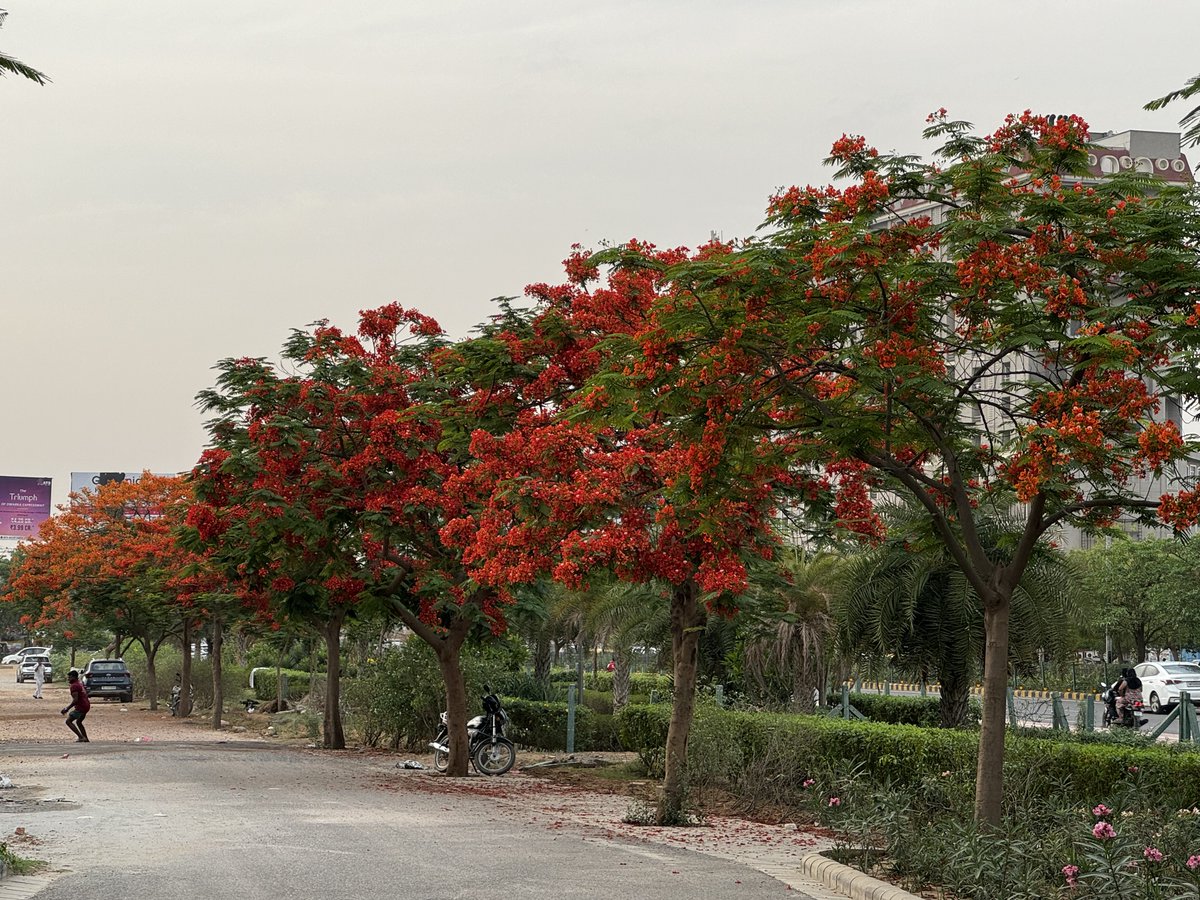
point(14, 864)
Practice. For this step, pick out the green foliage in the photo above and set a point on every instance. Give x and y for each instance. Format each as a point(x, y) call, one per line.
point(899, 710)
point(543, 725)
point(1191, 119)
point(397, 698)
point(527, 686)
point(639, 683)
point(1144, 592)
point(266, 683)
point(284, 651)
point(13, 864)
point(906, 755)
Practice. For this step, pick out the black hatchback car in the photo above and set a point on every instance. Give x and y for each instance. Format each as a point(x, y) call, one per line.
point(105, 678)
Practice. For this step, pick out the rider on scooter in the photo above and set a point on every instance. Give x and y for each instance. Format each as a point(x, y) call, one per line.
point(1129, 691)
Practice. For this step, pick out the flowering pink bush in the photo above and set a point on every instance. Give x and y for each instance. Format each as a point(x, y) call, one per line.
point(1071, 873)
point(1101, 811)
point(1152, 854)
point(809, 782)
point(1103, 831)
point(835, 801)
point(1193, 862)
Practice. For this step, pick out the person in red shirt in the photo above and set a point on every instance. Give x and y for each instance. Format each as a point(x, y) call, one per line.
point(81, 704)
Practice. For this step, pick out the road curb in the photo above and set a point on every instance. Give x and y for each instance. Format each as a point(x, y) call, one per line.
point(850, 881)
point(22, 887)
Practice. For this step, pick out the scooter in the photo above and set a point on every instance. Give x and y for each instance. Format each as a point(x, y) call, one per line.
point(490, 751)
point(1130, 716)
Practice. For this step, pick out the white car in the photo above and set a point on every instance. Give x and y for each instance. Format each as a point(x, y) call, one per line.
point(29, 663)
point(1162, 682)
point(14, 659)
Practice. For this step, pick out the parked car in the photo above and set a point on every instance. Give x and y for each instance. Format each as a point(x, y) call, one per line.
point(14, 659)
point(1162, 682)
point(106, 678)
point(25, 669)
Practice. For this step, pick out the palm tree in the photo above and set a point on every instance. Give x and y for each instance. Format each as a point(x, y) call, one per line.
point(909, 601)
point(791, 625)
point(10, 65)
point(1192, 118)
point(620, 614)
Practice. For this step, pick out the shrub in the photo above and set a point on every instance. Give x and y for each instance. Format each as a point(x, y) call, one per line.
point(266, 684)
point(923, 711)
point(398, 698)
point(906, 755)
point(543, 724)
point(598, 702)
point(639, 683)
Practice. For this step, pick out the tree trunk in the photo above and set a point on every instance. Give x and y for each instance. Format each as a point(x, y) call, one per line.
point(333, 738)
point(543, 658)
point(956, 697)
point(185, 687)
point(241, 646)
point(1139, 643)
point(448, 656)
point(579, 667)
point(687, 626)
point(989, 772)
point(151, 648)
point(218, 639)
point(621, 678)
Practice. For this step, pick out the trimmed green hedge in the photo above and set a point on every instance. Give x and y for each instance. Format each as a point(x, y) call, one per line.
point(639, 683)
point(901, 710)
point(541, 724)
point(906, 754)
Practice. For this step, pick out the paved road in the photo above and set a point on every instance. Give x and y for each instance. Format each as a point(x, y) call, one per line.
point(234, 821)
point(1039, 711)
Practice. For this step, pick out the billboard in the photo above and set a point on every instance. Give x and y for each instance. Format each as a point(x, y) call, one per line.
point(24, 506)
point(89, 481)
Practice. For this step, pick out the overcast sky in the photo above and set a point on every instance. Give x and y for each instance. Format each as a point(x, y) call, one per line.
point(201, 177)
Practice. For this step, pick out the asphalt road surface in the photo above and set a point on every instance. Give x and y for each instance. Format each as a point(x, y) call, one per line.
point(175, 820)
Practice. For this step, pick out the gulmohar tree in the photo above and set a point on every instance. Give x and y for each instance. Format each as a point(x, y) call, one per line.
point(990, 330)
point(598, 480)
point(329, 489)
point(111, 559)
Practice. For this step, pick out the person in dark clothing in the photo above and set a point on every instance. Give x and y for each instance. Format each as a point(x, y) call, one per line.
point(77, 709)
point(1129, 689)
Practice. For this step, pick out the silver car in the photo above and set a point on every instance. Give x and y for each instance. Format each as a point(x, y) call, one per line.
point(14, 659)
point(1162, 682)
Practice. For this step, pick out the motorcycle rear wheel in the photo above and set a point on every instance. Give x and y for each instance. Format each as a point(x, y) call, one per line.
point(495, 759)
point(441, 760)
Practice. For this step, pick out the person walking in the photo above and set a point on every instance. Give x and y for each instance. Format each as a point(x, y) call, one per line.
point(81, 704)
point(39, 676)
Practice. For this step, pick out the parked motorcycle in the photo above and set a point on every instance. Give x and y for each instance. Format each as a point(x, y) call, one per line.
point(490, 751)
point(1129, 717)
point(173, 700)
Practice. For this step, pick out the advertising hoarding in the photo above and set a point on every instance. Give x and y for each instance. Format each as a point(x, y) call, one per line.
point(89, 481)
point(24, 506)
